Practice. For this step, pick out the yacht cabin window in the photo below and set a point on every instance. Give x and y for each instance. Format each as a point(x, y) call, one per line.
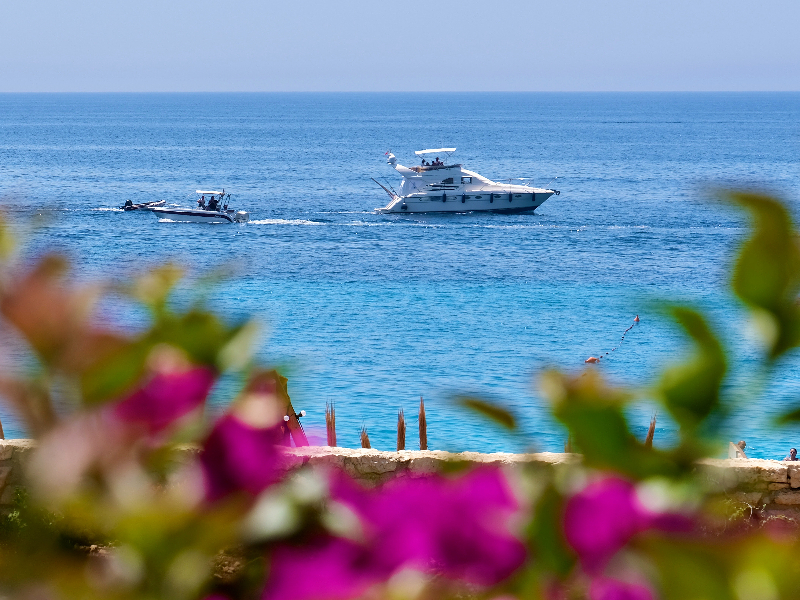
point(465, 180)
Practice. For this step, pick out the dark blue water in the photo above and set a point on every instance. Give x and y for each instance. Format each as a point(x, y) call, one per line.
point(372, 311)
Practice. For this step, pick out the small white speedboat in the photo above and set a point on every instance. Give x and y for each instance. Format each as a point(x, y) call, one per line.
point(438, 187)
point(215, 211)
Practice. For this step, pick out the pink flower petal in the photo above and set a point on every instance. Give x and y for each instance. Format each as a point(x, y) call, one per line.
point(237, 457)
point(601, 519)
point(165, 398)
point(328, 569)
point(457, 526)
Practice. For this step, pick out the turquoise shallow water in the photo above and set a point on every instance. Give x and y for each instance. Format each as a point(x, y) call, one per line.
point(372, 311)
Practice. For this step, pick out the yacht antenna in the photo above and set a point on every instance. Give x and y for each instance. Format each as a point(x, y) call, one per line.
point(389, 185)
point(551, 181)
point(392, 195)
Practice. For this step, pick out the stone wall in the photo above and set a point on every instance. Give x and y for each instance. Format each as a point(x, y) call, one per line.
point(767, 485)
point(770, 486)
point(13, 454)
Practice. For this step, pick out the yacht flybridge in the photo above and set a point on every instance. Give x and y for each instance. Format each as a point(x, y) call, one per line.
point(436, 186)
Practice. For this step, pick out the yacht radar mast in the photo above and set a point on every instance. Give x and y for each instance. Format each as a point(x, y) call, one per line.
point(446, 151)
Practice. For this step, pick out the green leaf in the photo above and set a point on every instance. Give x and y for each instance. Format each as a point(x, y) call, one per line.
point(691, 571)
point(766, 275)
point(593, 413)
point(153, 288)
point(499, 415)
point(115, 374)
point(790, 417)
point(200, 334)
point(546, 535)
point(691, 392)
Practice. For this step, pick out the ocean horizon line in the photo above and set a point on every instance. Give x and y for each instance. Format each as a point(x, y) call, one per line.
point(403, 92)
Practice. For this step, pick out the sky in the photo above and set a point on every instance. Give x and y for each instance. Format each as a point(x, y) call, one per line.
point(382, 45)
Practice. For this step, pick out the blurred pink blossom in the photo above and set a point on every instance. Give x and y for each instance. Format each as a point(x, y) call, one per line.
point(238, 457)
point(604, 588)
point(104, 438)
point(165, 398)
point(328, 569)
point(458, 527)
point(602, 518)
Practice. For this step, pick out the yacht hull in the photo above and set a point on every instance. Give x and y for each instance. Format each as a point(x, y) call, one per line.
point(473, 202)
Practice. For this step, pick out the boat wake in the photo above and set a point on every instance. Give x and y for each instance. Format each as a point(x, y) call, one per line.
point(286, 222)
point(368, 224)
point(106, 209)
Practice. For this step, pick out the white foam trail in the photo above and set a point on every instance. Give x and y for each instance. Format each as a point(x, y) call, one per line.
point(285, 222)
point(108, 209)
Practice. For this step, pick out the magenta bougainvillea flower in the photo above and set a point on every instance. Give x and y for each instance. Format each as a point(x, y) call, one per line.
point(604, 588)
point(457, 527)
point(165, 398)
point(238, 457)
point(328, 568)
point(602, 518)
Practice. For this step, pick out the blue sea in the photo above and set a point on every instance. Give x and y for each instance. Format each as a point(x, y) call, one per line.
point(369, 311)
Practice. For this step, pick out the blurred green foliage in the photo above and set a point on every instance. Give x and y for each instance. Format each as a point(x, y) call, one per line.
point(766, 276)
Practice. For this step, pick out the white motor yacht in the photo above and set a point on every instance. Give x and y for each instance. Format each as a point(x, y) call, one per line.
point(439, 187)
point(216, 211)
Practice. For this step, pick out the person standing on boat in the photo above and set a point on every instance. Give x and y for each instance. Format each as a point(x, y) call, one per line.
point(201, 204)
point(212, 204)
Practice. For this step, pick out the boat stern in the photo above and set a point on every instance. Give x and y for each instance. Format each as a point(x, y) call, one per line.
point(398, 204)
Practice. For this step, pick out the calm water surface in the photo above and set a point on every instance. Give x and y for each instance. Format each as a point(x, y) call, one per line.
point(371, 311)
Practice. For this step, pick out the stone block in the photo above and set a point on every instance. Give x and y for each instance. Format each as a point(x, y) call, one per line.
point(6, 450)
point(373, 465)
point(425, 464)
point(743, 472)
point(794, 475)
point(787, 497)
point(753, 471)
point(326, 460)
